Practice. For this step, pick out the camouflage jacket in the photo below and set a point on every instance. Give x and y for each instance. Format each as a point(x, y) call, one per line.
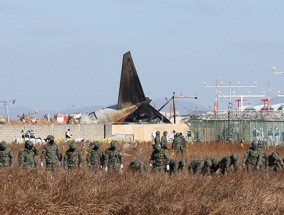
point(159, 158)
point(196, 166)
point(157, 141)
point(211, 165)
point(26, 157)
point(51, 153)
point(138, 165)
point(113, 157)
point(178, 144)
point(183, 141)
point(176, 165)
point(252, 157)
point(274, 161)
point(6, 157)
point(73, 159)
point(226, 163)
point(164, 142)
point(95, 157)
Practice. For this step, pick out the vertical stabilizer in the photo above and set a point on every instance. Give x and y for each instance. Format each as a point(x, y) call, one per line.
point(130, 90)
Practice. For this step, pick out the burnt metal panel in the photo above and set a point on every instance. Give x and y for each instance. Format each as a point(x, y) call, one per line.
point(147, 114)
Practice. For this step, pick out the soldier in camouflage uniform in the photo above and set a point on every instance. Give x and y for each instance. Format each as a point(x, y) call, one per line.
point(95, 157)
point(6, 155)
point(227, 162)
point(157, 140)
point(252, 158)
point(159, 159)
point(73, 158)
point(113, 158)
point(183, 141)
point(176, 166)
point(51, 154)
point(178, 144)
point(26, 156)
point(137, 165)
point(196, 166)
point(211, 165)
point(274, 162)
point(164, 140)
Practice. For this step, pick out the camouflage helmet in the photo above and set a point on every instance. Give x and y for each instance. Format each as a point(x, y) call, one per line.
point(50, 137)
point(113, 144)
point(215, 161)
point(165, 132)
point(134, 162)
point(234, 157)
point(3, 145)
point(275, 155)
point(29, 144)
point(182, 162)
point(158, 147)
point(209, 162)
point(157, 132)
point(254, 143)
point(96, 144)
point(72, 145)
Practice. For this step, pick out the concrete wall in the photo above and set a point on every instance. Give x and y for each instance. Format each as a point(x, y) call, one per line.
point(91, 132)
point(87, 131)
point(143, 132)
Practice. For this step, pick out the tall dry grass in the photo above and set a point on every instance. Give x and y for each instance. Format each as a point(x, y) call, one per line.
point(35, 191)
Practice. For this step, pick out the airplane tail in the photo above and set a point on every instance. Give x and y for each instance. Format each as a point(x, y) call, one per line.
point(130, 90)
point(131, 93)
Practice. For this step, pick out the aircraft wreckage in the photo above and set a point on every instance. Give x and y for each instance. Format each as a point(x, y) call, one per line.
point(132, 106)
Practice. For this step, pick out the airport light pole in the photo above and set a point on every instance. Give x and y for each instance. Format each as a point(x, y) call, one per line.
point(6, 103)
point(230, 86)
point(274, 68)
point(279, 94)
point(229, 101)
point(173, 98)
point(180, 97)
point(242, 97)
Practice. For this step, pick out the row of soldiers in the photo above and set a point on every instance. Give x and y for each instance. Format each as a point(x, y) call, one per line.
point(254, 158)
point(179, 143)
point(112, 159)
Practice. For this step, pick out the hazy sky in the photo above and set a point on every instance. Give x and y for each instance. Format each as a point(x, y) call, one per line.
point(59, 53)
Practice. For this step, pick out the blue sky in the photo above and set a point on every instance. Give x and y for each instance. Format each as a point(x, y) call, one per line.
point(60, 53)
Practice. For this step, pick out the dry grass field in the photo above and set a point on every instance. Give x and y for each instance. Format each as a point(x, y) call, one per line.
point(35, 191)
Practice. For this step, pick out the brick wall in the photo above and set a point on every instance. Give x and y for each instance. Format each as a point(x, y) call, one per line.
point(87, 131)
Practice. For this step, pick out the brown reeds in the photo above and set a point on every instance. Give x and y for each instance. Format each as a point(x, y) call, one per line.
point(35, 191)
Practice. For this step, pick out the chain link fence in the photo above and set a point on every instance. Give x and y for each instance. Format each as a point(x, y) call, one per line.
point(269, 132)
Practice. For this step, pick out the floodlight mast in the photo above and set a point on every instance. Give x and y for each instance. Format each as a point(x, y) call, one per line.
point(174, 105)
point(279, 94)
point(242, 97)
point(229, 101)
point(274, 68)
point(230, 86)
point(6, 104)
